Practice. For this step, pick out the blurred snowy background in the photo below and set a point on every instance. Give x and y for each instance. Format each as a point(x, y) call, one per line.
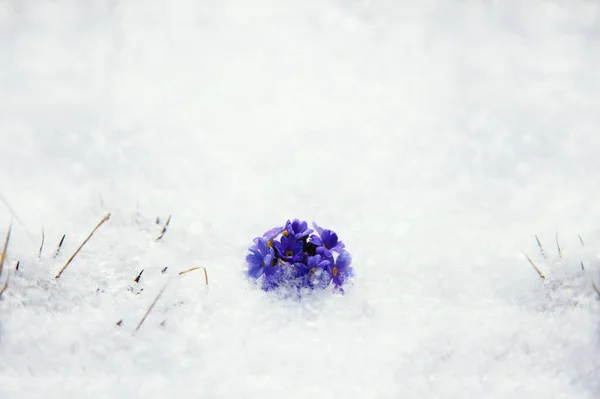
point(436, 138)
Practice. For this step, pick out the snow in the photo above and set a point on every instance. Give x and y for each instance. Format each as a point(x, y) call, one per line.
point(436, 137)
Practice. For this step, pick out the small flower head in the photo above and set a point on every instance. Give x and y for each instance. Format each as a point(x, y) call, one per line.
point(261, 257)
point(318, 274)
point(297, 229)
point(326, 241)
point(271, 234)
point(340, 269)
point(289, 249)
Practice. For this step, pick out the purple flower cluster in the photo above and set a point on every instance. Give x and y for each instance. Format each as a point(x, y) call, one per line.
point(295, 256)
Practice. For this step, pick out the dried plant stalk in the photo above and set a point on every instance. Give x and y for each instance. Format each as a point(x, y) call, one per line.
point(10, 209)
point(5, 286)
point(541, 247)
point(4, 248)
point(164, 229)
point(41, 245)
point(152, 305)
point(537, 269)
point(104, 219)
point(197, 268)
point(60, 244)
point(593, 283)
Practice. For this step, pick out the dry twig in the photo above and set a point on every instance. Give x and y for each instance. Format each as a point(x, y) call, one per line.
point(104, 219)
point(558, 246)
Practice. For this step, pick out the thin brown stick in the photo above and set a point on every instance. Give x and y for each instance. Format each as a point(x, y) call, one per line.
point(593, 283)
point(196, 268)
point(537, 269)
point(558, 246)
point(5, 286)
point(152, 305)
point(541, 248)
point(104, 219)
point(4, 248)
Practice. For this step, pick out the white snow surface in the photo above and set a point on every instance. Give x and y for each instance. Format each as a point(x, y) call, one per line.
point(435, 137)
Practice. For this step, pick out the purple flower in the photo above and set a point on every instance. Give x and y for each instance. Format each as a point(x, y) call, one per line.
point(274, 276)
point(317, 273)
point(289, 249)
point(271, 234)
point(326, 241)
point(311, 264)
point(297, 229)
point(340, 269)
point(260, 258)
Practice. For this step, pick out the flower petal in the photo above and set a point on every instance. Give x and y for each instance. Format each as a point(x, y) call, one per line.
point(279, 247)
point(315, 239)
point(317, 228)
point(330, 239)
point(262, 246)
point(255, 271)
point(344, 259)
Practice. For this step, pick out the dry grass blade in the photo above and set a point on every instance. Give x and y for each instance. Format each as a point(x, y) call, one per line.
point(197, 268)
point(537, 269)
point(139, 276)
point(10, 209)
point(152, 305)
point(558, 246)
point(592, 281)
point(164, 229)
point(5, 286)
point(60, 244)
point(4, 248)
point(541, 248)
point(104, 219)
point(41, 245)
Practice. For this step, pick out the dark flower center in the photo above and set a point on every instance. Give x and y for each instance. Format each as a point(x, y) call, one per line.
point(335, 271)
point(312, 270)
point(289, 253)
point(310, 248)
